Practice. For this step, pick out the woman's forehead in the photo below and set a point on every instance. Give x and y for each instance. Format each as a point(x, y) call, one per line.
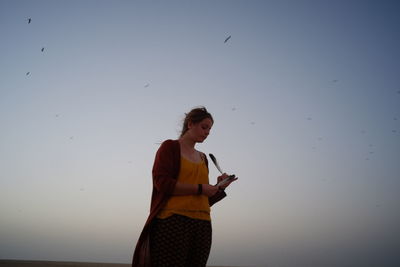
point(207, 121)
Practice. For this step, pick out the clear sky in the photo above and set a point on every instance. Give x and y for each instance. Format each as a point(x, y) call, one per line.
point(306, 101)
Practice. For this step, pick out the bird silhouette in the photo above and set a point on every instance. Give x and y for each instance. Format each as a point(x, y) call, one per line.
point(28, 73)
point(29, 20)
point(42, 49)
point(226, 40)
point(147, 85)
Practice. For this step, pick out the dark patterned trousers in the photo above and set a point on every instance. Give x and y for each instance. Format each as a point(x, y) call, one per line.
point(180, 241)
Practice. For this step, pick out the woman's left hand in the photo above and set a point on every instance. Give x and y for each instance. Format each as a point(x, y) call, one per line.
point(222, 177)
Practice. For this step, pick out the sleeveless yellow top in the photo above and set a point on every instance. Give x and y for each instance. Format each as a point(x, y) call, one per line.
point(193, 206)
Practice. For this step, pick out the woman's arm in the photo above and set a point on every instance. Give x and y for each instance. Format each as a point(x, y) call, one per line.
point(164, 167)
point(182, 189)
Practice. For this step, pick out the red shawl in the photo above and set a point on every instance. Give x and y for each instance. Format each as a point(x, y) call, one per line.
point(165, 173)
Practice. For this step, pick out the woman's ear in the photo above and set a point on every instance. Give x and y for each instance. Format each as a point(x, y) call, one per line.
point(190, 124)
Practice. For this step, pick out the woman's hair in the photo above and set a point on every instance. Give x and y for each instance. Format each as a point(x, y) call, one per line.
point(196, 115)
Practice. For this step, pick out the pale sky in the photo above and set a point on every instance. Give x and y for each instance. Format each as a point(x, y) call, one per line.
point(306, 101)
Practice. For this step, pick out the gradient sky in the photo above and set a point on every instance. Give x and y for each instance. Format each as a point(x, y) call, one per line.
point(306, 101)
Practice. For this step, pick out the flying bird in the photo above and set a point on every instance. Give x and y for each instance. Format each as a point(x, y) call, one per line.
point(42, 49)
point(29, 20)
point(28, 73)
point(226, 40)
point(147, 85)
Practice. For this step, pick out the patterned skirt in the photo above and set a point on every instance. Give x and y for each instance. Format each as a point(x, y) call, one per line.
point(180, 241)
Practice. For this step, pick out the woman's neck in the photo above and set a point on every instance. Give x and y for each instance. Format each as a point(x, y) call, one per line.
point(187, 144)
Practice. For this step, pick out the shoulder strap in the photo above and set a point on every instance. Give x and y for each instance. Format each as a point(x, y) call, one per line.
point(204, 158)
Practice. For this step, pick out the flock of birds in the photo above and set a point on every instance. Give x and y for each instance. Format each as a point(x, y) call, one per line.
point(370, 152)
point(42, 49)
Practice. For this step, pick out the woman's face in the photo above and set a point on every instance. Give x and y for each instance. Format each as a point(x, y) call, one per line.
point(199, 131)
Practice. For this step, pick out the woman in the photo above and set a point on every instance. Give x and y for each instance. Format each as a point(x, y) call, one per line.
point(178, 229)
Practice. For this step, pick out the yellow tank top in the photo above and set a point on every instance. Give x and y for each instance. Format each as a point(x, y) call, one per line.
point(193, 206)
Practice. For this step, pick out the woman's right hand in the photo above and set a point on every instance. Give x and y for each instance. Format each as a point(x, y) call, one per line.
point(209, 190)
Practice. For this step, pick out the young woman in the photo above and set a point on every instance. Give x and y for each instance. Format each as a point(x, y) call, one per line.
point(177, 232)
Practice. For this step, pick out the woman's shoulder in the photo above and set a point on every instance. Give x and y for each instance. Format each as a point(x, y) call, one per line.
point(169, 144)
point(200, 152)
point(202, 155)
